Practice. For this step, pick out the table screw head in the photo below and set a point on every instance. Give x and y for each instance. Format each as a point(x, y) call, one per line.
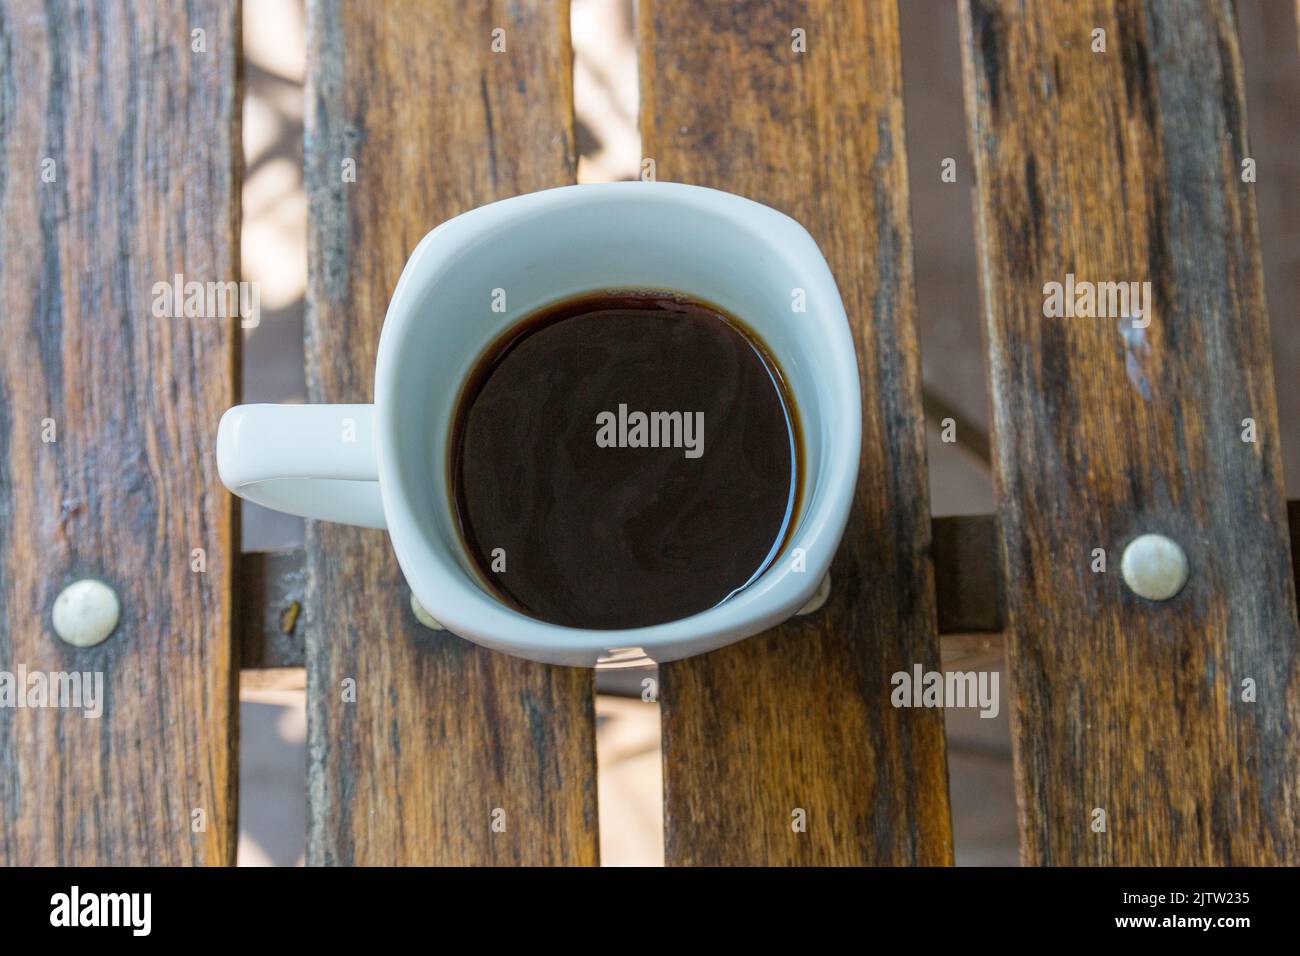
point(819, 597)
point(423, 616)
point(85, 612)
point(1154, 567)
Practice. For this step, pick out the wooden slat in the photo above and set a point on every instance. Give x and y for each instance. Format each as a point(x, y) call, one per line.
point(967, 574)
point(800, 718)
point(272, 592)
point(967, 571)
point(968, 590)
point(1125, 165)
point(143, 133)
point(443, 732)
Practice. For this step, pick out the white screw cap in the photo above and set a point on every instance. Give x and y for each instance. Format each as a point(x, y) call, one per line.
point(85, 612)
point(1154, 567)
point(423, 616)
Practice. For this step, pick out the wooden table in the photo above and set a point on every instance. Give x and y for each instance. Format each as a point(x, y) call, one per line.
point(1120, 166)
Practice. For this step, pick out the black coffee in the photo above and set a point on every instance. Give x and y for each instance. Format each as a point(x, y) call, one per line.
point(624, 459)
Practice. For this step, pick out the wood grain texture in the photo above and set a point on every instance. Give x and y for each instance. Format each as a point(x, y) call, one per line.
point(443, 732)
point(1125, 166)
point(143, 133)
point(801, 717)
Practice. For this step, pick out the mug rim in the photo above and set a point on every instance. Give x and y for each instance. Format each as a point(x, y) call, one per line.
point(465, 608)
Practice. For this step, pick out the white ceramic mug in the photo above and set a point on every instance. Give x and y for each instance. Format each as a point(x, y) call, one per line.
point(385, 465)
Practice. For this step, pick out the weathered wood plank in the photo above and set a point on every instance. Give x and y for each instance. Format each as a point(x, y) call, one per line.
point(800, 718)
point(141, 135)
point(442, 732)
point(1125, 166)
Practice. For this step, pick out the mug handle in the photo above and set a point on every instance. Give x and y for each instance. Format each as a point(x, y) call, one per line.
point(317, 461)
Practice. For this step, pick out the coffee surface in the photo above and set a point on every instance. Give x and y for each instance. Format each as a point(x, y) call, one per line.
point(622, 460)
